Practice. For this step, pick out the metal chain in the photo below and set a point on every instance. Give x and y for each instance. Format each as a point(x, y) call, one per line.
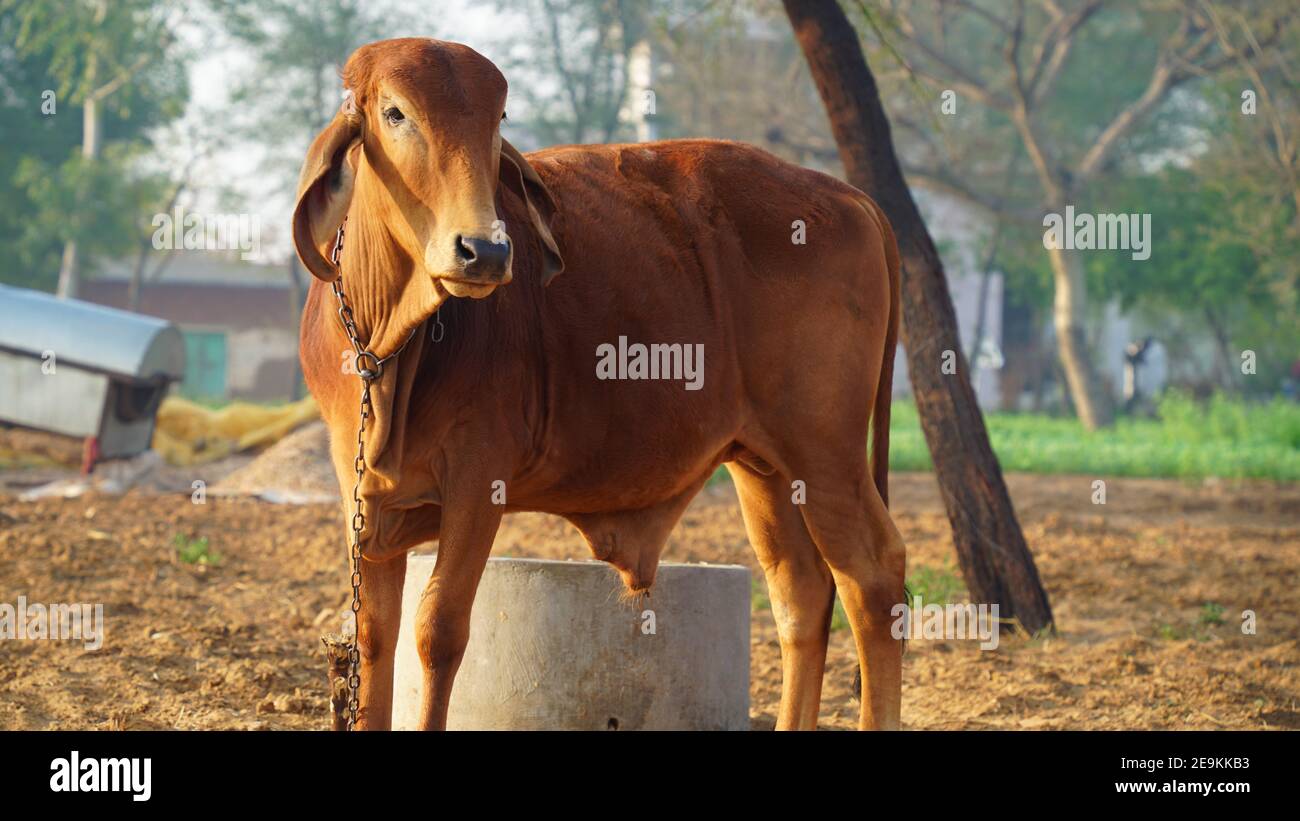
point(359, 464)
point(368, 375)
point(358, 524)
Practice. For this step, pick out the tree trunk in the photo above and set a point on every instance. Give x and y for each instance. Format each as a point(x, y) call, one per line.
point(1226, 378)
point(69, 281)
point(991, 549)
point(1092, 398)
point(67, 288)
point(136, 284)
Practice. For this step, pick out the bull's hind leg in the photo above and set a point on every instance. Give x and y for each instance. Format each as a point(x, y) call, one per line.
point(799, 586)
point(857, 538)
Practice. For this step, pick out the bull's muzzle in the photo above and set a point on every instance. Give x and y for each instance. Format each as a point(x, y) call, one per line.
point(482, 260)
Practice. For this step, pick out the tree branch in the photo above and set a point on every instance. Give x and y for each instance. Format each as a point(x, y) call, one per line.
point(958, 78)
point(1162, 80)
point(1054, 49)
point(943, 183)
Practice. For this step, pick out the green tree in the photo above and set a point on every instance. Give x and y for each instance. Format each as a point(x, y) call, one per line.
point(1083, 91)
point(119, 67)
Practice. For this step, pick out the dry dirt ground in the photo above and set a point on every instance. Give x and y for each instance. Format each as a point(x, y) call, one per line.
point(1148, 592)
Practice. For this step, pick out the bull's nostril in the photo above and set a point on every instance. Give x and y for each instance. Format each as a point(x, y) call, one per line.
point(465, 250)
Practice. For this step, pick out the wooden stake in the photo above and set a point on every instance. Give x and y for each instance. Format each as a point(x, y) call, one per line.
point(336, 652)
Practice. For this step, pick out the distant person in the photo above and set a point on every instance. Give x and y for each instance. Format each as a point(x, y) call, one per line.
point(1291, 383)
point(1145, 372)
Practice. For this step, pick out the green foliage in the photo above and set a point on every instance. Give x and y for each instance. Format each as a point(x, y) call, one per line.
point(118, 192)
point(1224, 437)
point(933, 585)
point(81, 50)
point(1193, 263)
point(1210, 616)
point(1237, 284)
point(130, 60)
point(195, 551)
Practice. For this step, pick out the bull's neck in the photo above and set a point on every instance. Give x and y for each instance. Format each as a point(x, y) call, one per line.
point(386, 300)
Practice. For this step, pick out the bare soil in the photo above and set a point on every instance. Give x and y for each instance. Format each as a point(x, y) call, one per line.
point(1148, 592)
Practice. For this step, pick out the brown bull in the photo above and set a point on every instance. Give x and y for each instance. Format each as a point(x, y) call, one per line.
point(690, 243)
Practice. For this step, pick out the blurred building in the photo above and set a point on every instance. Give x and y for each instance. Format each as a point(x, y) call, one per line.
point(239, 321)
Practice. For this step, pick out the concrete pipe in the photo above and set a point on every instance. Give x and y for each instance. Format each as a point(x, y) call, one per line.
point(556, 645)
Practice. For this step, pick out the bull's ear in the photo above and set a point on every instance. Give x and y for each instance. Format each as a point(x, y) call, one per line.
point(519, 176)
point(325, 191)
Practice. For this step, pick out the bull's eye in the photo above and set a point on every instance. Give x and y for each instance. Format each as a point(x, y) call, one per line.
point(394, 115)
point(503, 115)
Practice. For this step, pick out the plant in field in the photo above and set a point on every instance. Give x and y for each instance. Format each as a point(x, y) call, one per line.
point(935, 585)
point(195, 551)
point(839, 620)
point(758, 599)
point(1211, 614)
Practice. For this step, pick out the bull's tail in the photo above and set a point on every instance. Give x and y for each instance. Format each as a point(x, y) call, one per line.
point(885, 388)
point(885, 385)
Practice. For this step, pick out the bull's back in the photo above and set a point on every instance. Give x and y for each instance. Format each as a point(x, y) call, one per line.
point(729, 224)
point(706, 192)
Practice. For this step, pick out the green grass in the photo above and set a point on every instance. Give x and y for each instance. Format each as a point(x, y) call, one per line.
point(1227, 438)
point(936, 585)
point(1223, 437)
point(758, 599)
point(933, 585)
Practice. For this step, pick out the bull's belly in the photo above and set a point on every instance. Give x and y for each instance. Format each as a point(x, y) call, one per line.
point(631, 472)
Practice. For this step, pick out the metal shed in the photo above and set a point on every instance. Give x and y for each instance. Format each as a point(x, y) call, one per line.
point(84, 370)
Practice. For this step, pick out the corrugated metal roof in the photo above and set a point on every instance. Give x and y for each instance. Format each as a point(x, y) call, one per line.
point(91, 336)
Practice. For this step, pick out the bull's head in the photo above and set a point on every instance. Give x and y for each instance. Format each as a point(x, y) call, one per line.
point(414, 157)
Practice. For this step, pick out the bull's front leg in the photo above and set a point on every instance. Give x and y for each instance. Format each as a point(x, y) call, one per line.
point(469, 524)
point(377, 624)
